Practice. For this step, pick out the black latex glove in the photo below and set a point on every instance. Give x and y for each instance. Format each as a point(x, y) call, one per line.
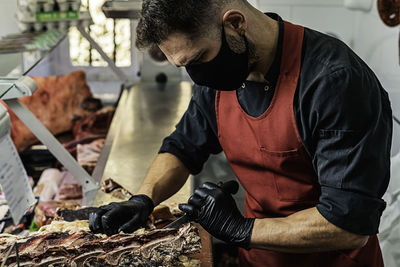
point(216, 211)
point(124, 216)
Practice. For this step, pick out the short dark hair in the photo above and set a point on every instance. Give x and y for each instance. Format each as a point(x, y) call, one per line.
point(160, 18)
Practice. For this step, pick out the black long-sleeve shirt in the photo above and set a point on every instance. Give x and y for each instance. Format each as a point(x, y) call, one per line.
point(344, 119)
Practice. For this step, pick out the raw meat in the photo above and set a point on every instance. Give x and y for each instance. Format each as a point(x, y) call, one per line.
point(57, 102)
point(47, 186)
point(72, 145)
point(46, 211)
point(88, 154)
point(160, 247)
point(92, 104)
point(160, 217)
point(70, 191)
point(95, 124)
point(109, 186)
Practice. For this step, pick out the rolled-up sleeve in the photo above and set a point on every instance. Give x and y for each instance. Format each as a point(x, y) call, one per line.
point(351, 124)
point(195, 136)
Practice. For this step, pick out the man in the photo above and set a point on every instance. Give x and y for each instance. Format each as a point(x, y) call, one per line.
point(304, 123)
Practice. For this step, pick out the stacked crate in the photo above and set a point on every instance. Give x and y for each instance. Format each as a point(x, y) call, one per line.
point(42, 15)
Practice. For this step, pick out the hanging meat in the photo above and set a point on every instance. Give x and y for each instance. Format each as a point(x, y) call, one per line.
point(57, 102)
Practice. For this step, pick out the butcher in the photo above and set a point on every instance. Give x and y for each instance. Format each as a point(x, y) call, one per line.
point(304, 123)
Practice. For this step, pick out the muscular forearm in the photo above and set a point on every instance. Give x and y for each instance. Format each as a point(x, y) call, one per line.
point(165, 177)
point(302, 232)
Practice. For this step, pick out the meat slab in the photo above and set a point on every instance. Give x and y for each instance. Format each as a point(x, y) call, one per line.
point(46, 210)
point(88, 154)
point(57, 102)
point(96, 124)
point(110, 186)
point(159, 247)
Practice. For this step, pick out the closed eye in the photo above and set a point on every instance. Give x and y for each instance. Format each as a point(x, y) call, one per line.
point(196, 60)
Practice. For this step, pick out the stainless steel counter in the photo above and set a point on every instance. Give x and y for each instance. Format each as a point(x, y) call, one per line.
point(145, 115)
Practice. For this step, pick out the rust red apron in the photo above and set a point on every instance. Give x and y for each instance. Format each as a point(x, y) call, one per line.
point(268, 156)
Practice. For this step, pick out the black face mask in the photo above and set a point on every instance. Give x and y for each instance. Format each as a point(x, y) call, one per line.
point(226, 72)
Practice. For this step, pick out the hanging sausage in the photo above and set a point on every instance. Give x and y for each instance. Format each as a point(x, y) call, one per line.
point(389, 11)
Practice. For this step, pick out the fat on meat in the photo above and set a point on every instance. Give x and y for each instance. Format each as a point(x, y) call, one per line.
point(47, 186)
point(88, 154)
point(79, 247)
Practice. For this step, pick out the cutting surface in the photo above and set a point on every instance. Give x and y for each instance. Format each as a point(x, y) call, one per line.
point(145, 115)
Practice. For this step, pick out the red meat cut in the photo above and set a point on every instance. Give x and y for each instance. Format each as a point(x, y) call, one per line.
point(57, 102)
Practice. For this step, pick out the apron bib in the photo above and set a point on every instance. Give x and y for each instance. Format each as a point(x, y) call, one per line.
point(268, 157)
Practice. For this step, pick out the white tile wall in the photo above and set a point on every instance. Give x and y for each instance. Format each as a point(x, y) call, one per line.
point(376, 43)
point(284, 11)
point(325, 16)
point(336, 20)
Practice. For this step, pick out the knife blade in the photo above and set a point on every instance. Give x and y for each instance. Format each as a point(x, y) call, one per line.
point(177, 223)
point(230, 187)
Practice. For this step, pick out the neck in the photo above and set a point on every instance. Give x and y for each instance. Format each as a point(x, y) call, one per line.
point(263, 32)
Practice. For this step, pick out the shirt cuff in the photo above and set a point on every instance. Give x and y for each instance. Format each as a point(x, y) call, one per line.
point(351, 211)
point(193, 168)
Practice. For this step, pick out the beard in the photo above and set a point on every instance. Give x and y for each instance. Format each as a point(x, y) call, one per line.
point(238, 45)
point(253, 57)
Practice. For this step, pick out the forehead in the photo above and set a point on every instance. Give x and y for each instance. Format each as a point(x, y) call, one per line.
point(178, 42)
point(179, 48)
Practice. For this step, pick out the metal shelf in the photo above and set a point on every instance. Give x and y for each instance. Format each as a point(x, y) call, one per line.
point(23, 52)
point(122, 9)
point(11, 87)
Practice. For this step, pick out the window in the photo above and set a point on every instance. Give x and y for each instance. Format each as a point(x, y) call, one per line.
point(113, 36)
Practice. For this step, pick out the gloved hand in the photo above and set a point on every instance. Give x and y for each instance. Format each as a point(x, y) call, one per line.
point(124, 216)
point(216, 211)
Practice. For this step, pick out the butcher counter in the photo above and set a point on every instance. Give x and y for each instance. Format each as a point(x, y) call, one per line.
point(146, 113)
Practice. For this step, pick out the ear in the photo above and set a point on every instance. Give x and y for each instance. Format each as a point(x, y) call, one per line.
point(235, 20)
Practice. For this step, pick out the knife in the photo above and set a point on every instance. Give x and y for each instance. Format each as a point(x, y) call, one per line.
point(230, 187)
